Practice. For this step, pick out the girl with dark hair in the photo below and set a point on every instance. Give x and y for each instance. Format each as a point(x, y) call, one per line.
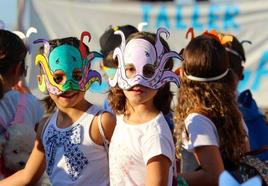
point(16, 102)
point(72, 143)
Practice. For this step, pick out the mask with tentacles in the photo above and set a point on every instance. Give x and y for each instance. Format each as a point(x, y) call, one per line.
point(147, 60)
point(74, 63)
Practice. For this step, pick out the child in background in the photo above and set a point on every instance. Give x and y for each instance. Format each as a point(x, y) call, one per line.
point(209, 126)
point(142, 150)
point(17, 105)
point(70, 144)
point(252, 115)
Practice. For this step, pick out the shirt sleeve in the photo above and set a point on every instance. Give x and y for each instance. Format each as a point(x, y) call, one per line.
point(201, 131)
point(158, 145)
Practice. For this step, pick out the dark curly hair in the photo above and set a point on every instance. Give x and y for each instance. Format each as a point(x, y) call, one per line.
point(162, 99)
point(205, 57)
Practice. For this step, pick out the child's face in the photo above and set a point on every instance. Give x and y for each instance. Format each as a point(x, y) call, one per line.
point(68, 99)
point(140, 95)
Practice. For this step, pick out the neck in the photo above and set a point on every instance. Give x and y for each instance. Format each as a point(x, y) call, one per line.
point(67, 116)
point(138, 114)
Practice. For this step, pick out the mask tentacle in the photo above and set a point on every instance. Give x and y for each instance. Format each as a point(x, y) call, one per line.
point(158, 44)
point(82, 47)
point(46, 46)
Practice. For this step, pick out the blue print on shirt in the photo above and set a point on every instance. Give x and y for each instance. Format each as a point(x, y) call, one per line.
point(70, 140)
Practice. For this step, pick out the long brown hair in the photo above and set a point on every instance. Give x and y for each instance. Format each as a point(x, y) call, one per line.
point(162, 99)
point(205, 57)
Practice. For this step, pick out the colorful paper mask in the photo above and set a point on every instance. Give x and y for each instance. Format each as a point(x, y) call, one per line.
point(148, 61)
point(73, 63)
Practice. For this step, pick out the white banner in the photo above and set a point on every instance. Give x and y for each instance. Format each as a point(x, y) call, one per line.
point(248, 20)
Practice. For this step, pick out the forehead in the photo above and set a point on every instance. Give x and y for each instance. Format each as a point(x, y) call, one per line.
point(139, 52)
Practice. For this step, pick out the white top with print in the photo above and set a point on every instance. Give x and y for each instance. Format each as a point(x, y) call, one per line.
point(72, 157)
point(132, 146)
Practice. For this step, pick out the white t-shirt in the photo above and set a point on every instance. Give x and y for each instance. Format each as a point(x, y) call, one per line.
point(32, 108)
point(201, 131)
point(132, 146)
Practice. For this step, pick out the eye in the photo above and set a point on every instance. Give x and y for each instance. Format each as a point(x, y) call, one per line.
point(59, 77)
point(130, 71)
point(148, 70)
point(15, 152)
point(77, 75)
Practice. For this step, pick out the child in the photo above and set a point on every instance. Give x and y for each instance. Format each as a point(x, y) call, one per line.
point(12, 61)
point(17, 105)
point(253, 117)
point(142, 151)
point(108, 42)
point(208, 123)
point(70, 144)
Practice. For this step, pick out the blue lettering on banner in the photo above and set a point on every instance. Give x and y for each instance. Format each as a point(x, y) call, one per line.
point(256, 76)
point(162, 18)
point(221, 17)
point(195, 17)
point(213, 17)
point(230, 13)
point(261, 71)
point(179, 19)
point(146, 9)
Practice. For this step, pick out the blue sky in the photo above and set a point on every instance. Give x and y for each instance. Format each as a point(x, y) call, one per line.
point(8, 13)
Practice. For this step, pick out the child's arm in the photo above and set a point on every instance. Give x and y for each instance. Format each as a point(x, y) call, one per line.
point(211, 163)
point(32, 172)
point(108, 123)
point(34, 168)
point(157, 171)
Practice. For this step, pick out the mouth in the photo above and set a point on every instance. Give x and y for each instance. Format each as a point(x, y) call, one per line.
point(68, 94)
point(136, 89)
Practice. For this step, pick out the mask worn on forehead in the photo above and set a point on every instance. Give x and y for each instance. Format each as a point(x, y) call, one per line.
point(148, 60)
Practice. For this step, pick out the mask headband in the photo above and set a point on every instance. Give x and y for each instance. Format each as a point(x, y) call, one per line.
point(141, 53)
point(195, 78)
point(223, 39)
point(68, 59)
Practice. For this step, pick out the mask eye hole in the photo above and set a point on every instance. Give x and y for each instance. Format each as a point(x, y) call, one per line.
point(148, 70)
point(130, 70)
point(59, 77)
point(77, 75)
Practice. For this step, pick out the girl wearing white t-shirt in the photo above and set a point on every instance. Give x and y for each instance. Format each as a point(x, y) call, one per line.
point(209, 126)
point(142, 151)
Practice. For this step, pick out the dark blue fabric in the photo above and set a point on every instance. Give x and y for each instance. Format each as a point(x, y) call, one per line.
point(255, 121)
